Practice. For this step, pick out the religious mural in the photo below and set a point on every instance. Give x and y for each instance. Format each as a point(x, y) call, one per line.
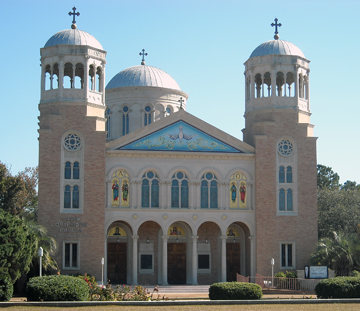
point(180, 136)
point(117, 231)
point(120, 189)
point(176, 230)
point(238, 191)
point(232, 232)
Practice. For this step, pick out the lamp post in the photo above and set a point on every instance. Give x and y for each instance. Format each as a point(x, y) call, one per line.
point(40, 253)
point(102, 270)
point(272, 271)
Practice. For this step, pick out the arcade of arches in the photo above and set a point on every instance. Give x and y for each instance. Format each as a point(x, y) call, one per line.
point(180, 256)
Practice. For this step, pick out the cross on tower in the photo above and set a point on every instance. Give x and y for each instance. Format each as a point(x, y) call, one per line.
point(181, 101)
point(73, 14)
point(276, 25)
point(143, 54)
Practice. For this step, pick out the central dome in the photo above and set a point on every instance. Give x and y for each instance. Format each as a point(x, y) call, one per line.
point(278, 47)
point(73, 37)
point(143, 75)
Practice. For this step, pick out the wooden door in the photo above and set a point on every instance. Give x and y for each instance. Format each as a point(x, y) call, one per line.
point(116, 265)
point(232, 261)
point(177, 263)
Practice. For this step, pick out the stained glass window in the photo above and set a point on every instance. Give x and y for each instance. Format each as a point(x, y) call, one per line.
point(281, 174)
point(67, 197)
point(289, 200)
point(76, 170)
point(209, 193)
point(282, 200)
point(75, 198)
point(147, 115)
point(289, 174)
point(179, 191)
point(67, 170)
point(150, 190)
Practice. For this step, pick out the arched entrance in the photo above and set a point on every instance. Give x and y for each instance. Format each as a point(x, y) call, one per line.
point(179, 263)
point(237, 251)
point(119, 253)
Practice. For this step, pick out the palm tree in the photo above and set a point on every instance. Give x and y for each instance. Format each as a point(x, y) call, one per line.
point(340, 253)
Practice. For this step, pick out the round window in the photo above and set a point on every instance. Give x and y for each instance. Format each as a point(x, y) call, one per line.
point(72, 142)
point(285, 147)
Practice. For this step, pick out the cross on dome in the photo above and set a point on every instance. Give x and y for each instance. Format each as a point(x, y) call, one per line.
point(181, 101)
point(276, 28)
point(143, 54)
point(73, 26)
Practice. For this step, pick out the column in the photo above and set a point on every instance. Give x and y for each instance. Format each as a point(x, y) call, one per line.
point(194, 259)
point(308, 89)
point(273, 87)
point(297, 84)
point(135, 259)
point(223, 258)
point(252, 256)
point(164, 260)
point(61, 77)
point(86, 76)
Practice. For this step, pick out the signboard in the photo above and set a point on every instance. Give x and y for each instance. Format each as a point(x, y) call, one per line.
point(316, 272)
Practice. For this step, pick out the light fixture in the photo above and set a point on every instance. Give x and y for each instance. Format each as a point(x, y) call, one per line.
point(206, 240)
point(234, 241)
point(147, 240)
point(118, 240)
point(177, 240)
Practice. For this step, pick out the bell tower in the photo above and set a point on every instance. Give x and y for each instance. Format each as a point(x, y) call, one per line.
point(277, 124)
point(72, 141)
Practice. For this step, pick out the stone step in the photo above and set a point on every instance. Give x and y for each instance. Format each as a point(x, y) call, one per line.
point(182, 289)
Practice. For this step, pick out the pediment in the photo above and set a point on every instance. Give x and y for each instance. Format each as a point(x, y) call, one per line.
point(180, 132)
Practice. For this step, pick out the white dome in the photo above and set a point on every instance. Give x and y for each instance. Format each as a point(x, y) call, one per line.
point(73, 37)
point(143, 75)
point(278, 47)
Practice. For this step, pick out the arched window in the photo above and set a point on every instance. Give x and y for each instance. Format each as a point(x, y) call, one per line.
point(267, 82)
point(71, 197)
point(67, 170)
point(55, 77)
point(289, 174)
point(290, 81)
point(280, 81)
point(258, 85)
point(98, 79)
point(301, 86)
point(248, 89)
point(150, 190)
point(286, 200)
point(108, 123)
point(125, 120)
point(168, 111)
point(76, 170)
point(281, 174)
point(147, 115)
point(48, 84)
point(79, 76)
point(209, 193)
point(180, 190)
point(68, 76)
point(91, 78)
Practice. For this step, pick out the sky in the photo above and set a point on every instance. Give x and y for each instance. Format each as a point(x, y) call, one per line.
point(203, 45)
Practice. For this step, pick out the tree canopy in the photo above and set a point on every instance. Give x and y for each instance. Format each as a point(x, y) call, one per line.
point(17, 245)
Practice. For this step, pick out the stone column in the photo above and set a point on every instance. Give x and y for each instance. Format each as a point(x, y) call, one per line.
point(61, 76)
point(164, 260)
point(223, 258)
point(194, 259)
point(86, 76)
point(297, 84)
point(252, 256)
point(135, 259)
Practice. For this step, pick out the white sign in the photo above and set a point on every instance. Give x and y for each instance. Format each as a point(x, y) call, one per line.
point(318, 272)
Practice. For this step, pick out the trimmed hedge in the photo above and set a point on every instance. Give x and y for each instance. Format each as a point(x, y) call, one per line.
point(6, 287)
point(235, 291)
point(339, 287)
point(57, 288)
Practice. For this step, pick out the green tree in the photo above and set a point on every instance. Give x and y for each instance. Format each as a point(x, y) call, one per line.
point(350, 185)
point(338, 211)
point(327, 178)
point(17, 245)
point(339, 252)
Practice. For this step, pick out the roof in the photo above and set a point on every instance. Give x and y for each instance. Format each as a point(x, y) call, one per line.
point(279, 47)
point(73, 37)
point(143, 75)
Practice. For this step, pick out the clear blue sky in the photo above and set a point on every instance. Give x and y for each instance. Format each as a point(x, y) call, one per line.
point(202, 45)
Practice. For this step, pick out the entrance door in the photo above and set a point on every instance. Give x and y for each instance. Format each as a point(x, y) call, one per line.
point(116, 265)
point(232, 261)
point(177, 263)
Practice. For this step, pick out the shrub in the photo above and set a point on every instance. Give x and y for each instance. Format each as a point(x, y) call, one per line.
point(57, 288)
point(339, 287)
point(235, 291)
point(286, 280)
point(6, 287)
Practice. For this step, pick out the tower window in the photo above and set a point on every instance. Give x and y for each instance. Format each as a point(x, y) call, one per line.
point(71, 197)
point(285, 200)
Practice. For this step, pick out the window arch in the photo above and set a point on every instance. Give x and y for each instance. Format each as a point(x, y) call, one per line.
point(290, 81)
point(99, 76)
point(79, 76)
point(150, 190)
point(68, 76)
point(180, 190)
point(267, 82)
point(209, 191)
point(238, 190)
point(71, 197)
point(258, 85)
point(289, 174)
point(280, 81)
point(91, 78)
point(120, 189)
point(147, 115)
point(281, 174)
point(125, 120)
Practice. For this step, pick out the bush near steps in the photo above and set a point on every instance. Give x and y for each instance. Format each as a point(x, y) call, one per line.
point(235, 291)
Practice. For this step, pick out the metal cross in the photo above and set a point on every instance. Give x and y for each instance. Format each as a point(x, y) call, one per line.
point(181, 101)
point(276, 25)
point(143, 56)
point(73, 14)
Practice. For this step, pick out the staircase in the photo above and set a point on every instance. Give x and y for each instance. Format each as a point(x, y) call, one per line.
point(183, 289)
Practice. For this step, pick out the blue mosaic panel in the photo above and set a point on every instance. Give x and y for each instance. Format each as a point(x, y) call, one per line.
point(180, 136)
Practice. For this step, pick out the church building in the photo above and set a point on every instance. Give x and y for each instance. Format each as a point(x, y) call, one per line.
point(128, 175)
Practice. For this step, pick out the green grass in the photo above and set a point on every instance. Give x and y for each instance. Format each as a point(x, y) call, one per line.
point(289, 307)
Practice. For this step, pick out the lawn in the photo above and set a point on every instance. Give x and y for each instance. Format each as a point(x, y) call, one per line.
point(288, 307)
